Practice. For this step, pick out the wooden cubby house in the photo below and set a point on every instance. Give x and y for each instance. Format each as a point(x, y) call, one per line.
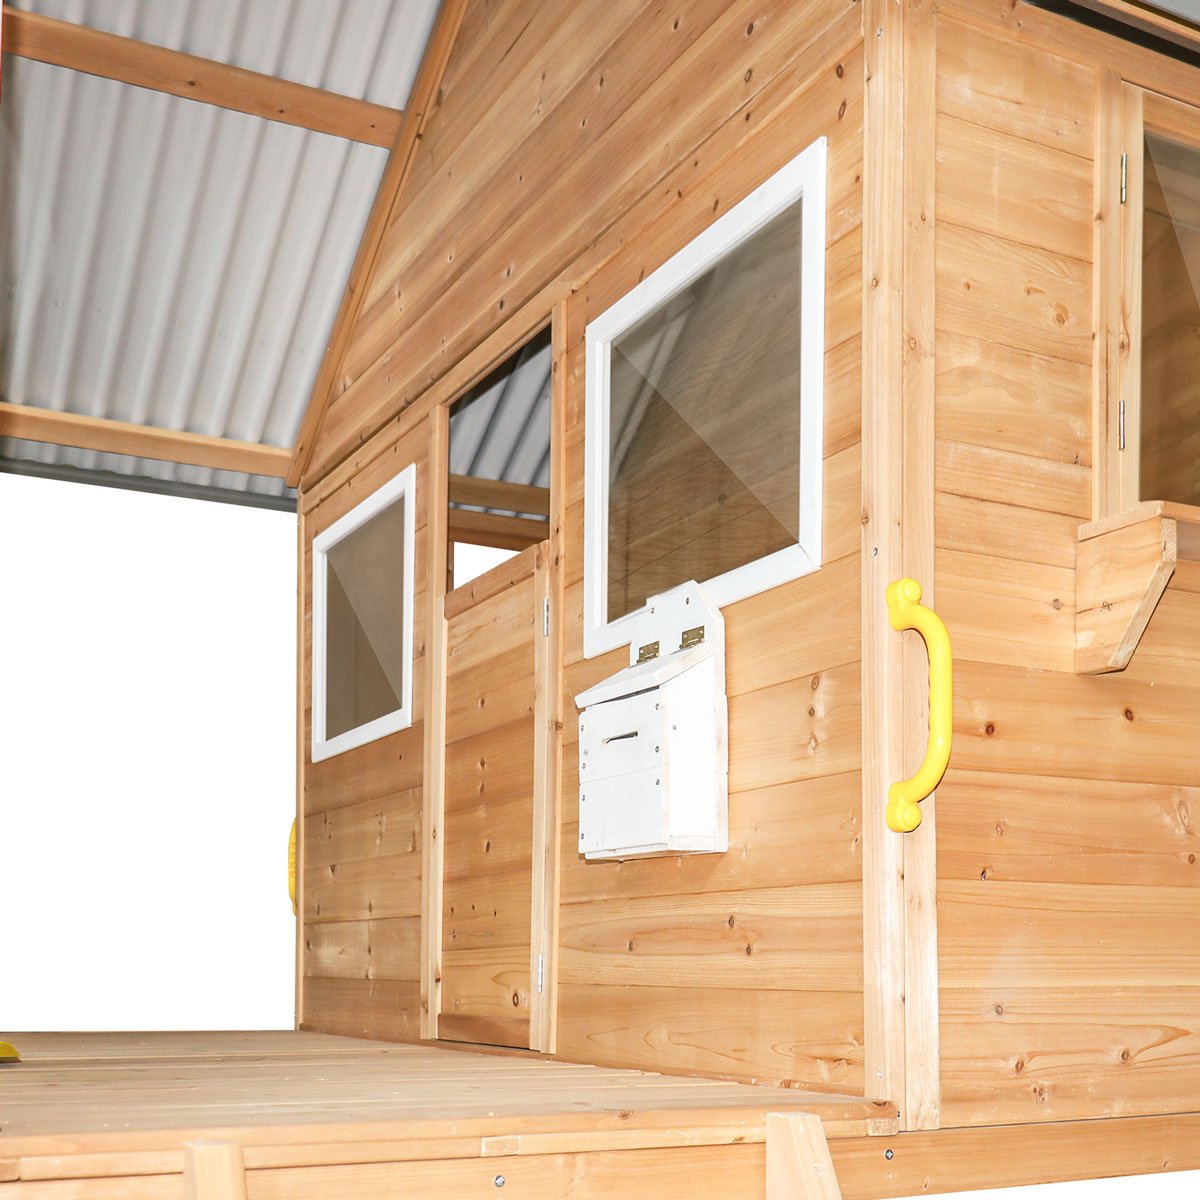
point(923, 272)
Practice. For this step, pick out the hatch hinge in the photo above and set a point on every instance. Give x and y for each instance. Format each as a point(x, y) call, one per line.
point(545, 616)
point(541, 973)
point(1121, 425)
point(1124, 177)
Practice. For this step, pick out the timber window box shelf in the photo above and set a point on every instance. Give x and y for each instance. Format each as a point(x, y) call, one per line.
point(1123, 564)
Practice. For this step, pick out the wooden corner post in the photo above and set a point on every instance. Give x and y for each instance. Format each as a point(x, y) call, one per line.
point(434, 773)
point(899, 879)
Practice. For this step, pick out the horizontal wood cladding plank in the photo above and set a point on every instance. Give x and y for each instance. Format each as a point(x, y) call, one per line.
point(516, 139)
point(813, 1039)
point(1024, 296)
point(484, 1030)
point(795, 629)
point(96, 52)
point(1033, 828)
point(384, 825)
point(654, 138)
point(489, 837)
point(380, 768)
point(1014, 88)
point(490, 766)
point(486, 911)
point(1169, 649)
point(792, 835)
point(1003, 398)
point(802, 938)
point(597, 123)
point(1010, 477)
point(490, 584)
point(387, 1009)
point(385, 949)
point(949, 1160)
point(1001, 610)
point(388, 886)
point(1048, 935)
point(491, 983)
point(532, 54)
point(674, 1173)
point(1004, 531)
point(1014, 1054)
point(1122, 727)
point(803, 729)
point(332, 498)
point(1014, 188)
point(491, 629)
point(497, 690)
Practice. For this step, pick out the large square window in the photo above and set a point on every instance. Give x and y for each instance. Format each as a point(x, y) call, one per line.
point(704, 412)
point(363, 621)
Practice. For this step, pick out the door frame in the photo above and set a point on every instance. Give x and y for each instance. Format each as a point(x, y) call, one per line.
point(548, 718)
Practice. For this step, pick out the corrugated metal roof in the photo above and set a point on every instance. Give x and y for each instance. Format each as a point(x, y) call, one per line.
point(501, 428)
point(175, 264)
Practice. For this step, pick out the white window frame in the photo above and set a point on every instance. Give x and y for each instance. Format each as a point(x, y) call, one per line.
point(403, 486)
point(803, 177)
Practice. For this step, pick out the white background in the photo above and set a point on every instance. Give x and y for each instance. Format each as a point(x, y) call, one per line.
point(147, 760)
point(147, 766)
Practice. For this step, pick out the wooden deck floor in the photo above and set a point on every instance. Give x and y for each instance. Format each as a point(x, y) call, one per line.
point(100, 1109)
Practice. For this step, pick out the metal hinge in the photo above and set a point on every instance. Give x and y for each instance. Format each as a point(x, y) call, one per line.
point(1124, 177)
point(545, 616)
point(1121, 425)
point(541, 980)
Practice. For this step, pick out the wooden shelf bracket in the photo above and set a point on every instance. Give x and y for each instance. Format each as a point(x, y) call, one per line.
point(1122, 568)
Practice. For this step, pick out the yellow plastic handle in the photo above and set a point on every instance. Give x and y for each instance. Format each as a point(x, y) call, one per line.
point(905, 611)
point(292, 867)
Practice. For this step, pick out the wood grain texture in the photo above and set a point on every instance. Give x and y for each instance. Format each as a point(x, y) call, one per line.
point(123, 437)
point(619, 139)
point(361, 869)
point(882, 724)
point(1120, 577)
point(80, 48)
point(1066, 857)
point(798, 1162)
point(312, 1115)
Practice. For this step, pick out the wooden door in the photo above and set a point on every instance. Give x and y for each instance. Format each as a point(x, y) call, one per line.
point(499, 794)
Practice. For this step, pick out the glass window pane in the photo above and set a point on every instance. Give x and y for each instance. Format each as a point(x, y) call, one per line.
point(1170, 404)
point(364, 625)
point(704, 426)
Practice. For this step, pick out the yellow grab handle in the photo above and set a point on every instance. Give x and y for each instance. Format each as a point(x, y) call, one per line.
point(292, 867)
point(8, 1052)
point(905, 611)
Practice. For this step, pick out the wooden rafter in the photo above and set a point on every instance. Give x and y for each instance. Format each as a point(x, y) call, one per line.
point(421, 100)
point(62, 44)
point(144, 441)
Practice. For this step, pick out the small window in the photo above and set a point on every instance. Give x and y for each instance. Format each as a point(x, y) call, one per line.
point(704, 412)
point(363, 621)
point(1169, 466)
point(1152, 432)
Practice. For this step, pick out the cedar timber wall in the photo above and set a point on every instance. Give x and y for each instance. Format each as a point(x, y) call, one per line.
point(1068, 909)
point(575, 147)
